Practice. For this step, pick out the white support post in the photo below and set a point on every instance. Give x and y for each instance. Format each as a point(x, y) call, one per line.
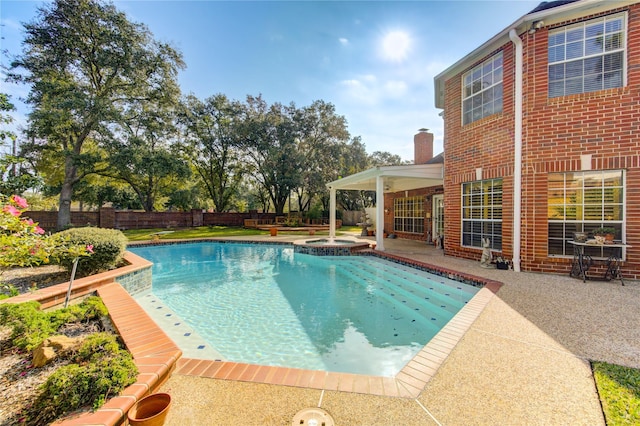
point(332, 212)
point(379, 213)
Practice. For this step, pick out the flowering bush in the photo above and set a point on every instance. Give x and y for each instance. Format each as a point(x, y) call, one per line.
point(24, 243)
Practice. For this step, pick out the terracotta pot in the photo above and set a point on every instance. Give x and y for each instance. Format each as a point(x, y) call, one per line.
point(150, 410)
point(609, 237)
point(274, 231)
point(312, 232)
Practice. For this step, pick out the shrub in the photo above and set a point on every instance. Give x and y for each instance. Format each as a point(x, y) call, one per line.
point(108, 246)
point(22, 241)
point(30, 326)
point(102, 370)
point(7, 291)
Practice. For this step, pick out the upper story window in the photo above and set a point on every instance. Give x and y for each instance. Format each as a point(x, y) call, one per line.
point(587, 56)
point(482, 90)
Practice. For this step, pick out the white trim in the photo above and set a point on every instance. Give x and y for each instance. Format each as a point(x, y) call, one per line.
point(396, 178)
point(517, 152)
point(623, 17)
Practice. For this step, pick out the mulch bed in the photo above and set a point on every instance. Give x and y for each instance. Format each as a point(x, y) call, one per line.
point(26, 279)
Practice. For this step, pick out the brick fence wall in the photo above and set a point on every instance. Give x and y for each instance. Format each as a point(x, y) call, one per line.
point(126, 219)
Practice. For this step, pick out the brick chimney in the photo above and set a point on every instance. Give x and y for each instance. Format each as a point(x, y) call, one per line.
point(422, 146)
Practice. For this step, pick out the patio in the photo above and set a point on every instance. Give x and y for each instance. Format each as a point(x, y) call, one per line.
point(523, 361)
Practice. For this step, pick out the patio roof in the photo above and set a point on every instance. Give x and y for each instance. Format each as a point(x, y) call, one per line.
point(396, 178)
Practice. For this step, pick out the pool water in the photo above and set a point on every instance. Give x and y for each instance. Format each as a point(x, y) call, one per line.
point(267, 305)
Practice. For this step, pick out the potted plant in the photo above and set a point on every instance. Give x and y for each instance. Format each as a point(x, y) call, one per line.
point(606, 233)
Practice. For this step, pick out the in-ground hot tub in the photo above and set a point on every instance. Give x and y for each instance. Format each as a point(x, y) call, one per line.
point(330, 246)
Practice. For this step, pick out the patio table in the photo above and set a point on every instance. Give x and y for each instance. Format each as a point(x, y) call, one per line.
point(582, 262)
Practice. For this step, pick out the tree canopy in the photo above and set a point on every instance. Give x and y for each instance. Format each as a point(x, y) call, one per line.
point(87, 65)
point(108, 124)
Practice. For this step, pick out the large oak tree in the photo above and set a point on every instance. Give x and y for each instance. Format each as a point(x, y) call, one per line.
point(86, 64)
point(212, 143)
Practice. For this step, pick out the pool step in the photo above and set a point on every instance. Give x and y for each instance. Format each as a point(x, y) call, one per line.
point(409, 289)
point(448, 288)
point(410, 303)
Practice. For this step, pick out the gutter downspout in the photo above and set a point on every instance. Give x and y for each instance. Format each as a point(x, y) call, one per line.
point(517, 153)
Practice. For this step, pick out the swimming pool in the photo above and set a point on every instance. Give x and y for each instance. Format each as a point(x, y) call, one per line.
point(267, 305)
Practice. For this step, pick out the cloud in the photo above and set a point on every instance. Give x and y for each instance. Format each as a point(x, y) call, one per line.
point(370, 90)
point(343, 41)
point(395, 88)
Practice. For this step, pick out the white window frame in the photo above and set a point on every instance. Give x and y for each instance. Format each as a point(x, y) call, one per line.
point(479, 87)
point(408, 215)
point(572, 216)
point(571, 46)
point(481, 213)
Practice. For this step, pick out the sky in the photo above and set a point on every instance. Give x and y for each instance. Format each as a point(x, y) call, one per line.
point(373, 60)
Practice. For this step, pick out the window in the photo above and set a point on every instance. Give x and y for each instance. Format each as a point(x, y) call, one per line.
point(409, 215)
point(581, 202)
point(587, 57)
point(482, 213)
point(482, 91)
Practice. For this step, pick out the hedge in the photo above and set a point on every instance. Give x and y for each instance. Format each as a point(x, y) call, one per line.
point(108, 247)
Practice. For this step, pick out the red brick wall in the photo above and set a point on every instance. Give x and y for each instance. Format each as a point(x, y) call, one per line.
point(556, 132)
point(48, 220)
point(389, 217)
point(422, 147)
point(128, 219)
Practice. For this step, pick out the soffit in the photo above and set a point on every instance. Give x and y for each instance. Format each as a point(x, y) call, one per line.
point(395, 178)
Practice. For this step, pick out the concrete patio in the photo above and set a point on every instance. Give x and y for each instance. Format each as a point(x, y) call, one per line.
point(525, 360)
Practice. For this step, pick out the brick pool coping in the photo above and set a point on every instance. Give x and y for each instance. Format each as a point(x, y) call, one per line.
point(154, 353)
point(157, 356)
point(408, 383)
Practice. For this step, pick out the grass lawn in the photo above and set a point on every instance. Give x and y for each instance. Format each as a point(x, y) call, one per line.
point(214, 231)
point(619, 390)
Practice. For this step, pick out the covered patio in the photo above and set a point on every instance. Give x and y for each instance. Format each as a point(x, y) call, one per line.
point(384, 179)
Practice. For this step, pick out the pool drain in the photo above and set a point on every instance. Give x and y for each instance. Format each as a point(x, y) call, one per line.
point(312, 417)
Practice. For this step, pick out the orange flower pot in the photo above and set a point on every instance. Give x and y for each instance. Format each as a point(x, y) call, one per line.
point(150, 411)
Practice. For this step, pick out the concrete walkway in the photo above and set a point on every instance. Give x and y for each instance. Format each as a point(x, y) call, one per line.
point(524, 361)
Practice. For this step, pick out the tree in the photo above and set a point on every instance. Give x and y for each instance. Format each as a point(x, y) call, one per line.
point(353, 159)
point(384, 158)
point(212, 142)
point(86, 63)
point(140, 154)
point(269, 137)
point(96, 191)
point(322, 140)
point(15, 173)
point(6, 106)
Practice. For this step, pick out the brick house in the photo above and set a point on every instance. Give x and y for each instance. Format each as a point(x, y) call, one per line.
point(542, 136)
point(550, 105)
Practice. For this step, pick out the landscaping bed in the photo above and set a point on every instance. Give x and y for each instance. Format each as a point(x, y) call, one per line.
point(33, 278)
point(20, 381)
point(58, 362)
